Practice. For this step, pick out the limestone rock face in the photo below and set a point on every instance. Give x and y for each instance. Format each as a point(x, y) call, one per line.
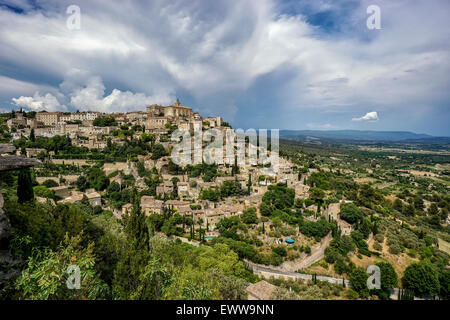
point(5, 227)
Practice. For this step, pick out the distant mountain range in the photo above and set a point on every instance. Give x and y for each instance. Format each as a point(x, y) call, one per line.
point(357, 135)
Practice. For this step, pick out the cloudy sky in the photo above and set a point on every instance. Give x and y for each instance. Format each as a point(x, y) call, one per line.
point(258, 63)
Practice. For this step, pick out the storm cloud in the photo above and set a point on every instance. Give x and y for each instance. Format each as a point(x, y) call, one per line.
point(265, 63)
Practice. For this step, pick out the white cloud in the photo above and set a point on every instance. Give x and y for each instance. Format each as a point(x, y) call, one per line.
point(369, 116)
point(90, 96)
point(37, 102)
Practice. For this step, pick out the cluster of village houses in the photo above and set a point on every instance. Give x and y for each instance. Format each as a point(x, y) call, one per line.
point(154, 120)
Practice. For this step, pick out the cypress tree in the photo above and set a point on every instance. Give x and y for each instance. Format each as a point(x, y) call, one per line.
point(32, 136)
point(127, 276)
point(24, 186)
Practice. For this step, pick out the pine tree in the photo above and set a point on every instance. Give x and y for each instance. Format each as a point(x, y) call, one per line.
point(24, 186)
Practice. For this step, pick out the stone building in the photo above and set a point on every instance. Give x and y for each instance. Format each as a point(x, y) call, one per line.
point(81, 116)
point(48, 118)
point(155, 122)
point(173, 111)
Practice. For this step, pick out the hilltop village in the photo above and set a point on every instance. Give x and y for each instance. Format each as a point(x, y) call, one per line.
point(94, 134)
point(307, 231)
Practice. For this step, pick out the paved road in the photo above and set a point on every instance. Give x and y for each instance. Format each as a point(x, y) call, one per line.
point(268, 273)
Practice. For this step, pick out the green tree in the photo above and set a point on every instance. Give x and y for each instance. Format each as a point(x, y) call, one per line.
point(409, 210)
point(433, 210)
point(350, 213)
point(249, 216)
point(104, 122)
point(316, 194)
point(422, 278)
point(279, 196)
point(158, 151)
point(44, 277)
point(398, 205)
point(82, 183)
point(358, 280)
point(265, 209)
point(389, 278)
point(444, 280)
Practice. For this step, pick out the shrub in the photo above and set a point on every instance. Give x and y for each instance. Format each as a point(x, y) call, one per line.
point(50, 183)
point(352, 294)
point(377, 246)
point(379, 237)
point(340, 267)
point(44, 192)
point(395, 248)
point(280, 250)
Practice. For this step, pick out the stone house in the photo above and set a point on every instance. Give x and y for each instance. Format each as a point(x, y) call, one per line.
point(126, 209)
point(75, 196)
point(301, 191)
point(150, 205)
point(178, 204)
point(165, 188)
point(61, 191)
point(33, 152)
point(94, 198)
point(183, 189)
